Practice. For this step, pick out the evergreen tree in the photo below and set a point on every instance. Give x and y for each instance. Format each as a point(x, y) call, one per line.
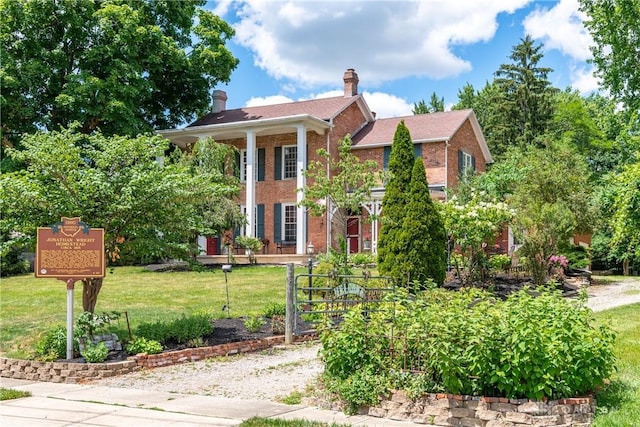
point(396, 198)
point(466, 97)
point(523, 105)
point(422, 237)
point(435, 104)
point(420, 107)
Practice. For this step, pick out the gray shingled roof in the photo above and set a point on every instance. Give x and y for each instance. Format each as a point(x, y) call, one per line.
point(323, 108)
point(423, 127)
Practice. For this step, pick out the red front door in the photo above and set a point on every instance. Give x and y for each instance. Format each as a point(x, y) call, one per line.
point(212, 245)
point(353, 234)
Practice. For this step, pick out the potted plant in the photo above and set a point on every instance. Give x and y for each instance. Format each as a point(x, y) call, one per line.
point(251, 246)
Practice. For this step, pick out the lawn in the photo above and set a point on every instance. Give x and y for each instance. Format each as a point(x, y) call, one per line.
point(30, 306)
point(619, 403)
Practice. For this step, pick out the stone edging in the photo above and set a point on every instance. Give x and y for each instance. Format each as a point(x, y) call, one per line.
point(73, 372)
point(474, 411)
point(434, 408)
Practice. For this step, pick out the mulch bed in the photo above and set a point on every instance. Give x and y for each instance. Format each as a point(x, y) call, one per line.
point(225, 330)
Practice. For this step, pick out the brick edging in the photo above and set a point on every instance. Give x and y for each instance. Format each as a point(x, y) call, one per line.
point(73, 372)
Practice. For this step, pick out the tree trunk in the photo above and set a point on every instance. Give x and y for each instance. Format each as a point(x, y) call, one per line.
point(625, 267)
point(90, 290)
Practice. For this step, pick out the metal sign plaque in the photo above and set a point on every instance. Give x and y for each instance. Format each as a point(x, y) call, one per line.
point(70, 249)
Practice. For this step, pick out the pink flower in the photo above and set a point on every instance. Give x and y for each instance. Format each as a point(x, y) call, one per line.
point(558, 261)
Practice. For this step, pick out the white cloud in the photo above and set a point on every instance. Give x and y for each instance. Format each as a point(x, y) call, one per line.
point(583, 80)
point(309, 43)
point(561, 28)
point(267, 100)
point(385, 105)
point(221, 7)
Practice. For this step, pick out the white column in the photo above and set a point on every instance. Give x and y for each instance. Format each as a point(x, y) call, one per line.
point(377, 208)
point(250, 184)
point(301, 166)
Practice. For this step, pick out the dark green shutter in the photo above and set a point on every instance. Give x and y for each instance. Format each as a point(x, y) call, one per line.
point(417, 151)
point(473, 163)
point(236, 172)
point(260, 221)
point(460, 162)
point(277, 222)
point(385, 155)
point(278, 164)
point(261, 163)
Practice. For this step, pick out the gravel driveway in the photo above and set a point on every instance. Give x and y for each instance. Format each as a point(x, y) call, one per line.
point(281, 371)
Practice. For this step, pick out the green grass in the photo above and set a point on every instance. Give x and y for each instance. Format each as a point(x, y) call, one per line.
point(618, 405)
point(9, 393)
point(30, 306)
point(271, 422)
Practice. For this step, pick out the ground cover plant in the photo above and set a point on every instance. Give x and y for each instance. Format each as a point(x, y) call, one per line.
point(531, 345)
point(30, 307)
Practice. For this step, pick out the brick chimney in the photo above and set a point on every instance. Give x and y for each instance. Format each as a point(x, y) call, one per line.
point(350, 83)
point(219, 101)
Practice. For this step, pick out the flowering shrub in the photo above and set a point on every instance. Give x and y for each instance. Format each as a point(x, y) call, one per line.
point(558, 261)
point(470, 224)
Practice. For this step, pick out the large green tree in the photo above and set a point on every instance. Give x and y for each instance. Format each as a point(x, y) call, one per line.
point(422, 238)
point(395, 199)
point(435, 104)
point(466, 97)
point(618, 232)
point(551, 206)
point(122, 66)
point(613, 24)
point(523, 106)
point(148, 208)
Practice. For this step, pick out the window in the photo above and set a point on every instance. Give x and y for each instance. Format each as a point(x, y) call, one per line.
point(386, 153)
point(467, 161)
point(289, 161)
point(258, 169)
point(289, 222)
point(466, 164)
point(258, 226)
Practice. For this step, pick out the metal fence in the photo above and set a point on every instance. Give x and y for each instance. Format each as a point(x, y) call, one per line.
point(318, 296)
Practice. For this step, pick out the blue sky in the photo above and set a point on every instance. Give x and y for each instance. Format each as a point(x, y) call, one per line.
point(402, 50)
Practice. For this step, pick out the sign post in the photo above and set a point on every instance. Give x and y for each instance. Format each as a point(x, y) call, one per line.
point(70, 250)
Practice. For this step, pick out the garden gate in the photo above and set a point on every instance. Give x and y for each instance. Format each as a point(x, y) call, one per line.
point(316, 296)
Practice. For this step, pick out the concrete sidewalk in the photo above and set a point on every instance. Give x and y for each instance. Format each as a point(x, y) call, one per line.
point(53, 404)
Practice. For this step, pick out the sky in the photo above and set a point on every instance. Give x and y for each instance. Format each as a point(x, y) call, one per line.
point(403, 51)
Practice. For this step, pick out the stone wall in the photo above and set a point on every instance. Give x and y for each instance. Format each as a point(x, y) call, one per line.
point(473, 411)
point(74, 372)
point(62, 372)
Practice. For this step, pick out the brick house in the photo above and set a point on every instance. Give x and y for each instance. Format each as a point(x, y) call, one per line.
point(276, 142)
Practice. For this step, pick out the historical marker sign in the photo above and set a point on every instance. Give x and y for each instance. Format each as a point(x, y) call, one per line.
point(70, 249)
